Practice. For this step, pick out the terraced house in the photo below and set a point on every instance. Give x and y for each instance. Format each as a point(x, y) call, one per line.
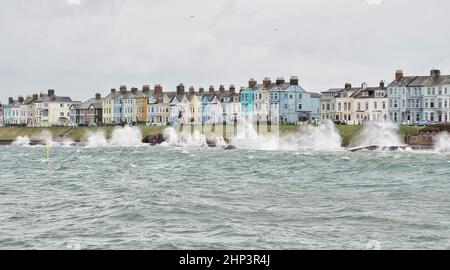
point(294, 103)
point(87, 113)
point(159, 107)
point(355, 105)
point(416, 99)
point(1, 114)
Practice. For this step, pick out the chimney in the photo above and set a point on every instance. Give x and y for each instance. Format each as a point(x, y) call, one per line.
point(382, 84)
point(435, 73)
point(294, 80)
point(348, 86)
point(98, 96)
point(51, 93)
point(252, 83)
point(232, 89)
point(364, 85)
point(158, 89)
point(123, 89)
point(201, 90)
point(35, 96)
point(280, 81)
point(192, 90)
point(180, 89)
point(146, 89)
point(113, 91)
point(134, 90)
point(211, 88)
point(222, 89)
point(266, 81)
point(10, 100)
point(399, 75)
point(20, 99)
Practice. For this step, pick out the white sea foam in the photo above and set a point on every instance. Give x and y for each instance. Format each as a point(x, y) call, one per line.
point(96, 139)
point(172, 138)
point(120, 137)
point(22, 141)
point(126, 137)
point(382, 133)
point(309, 138)
point(442, 144)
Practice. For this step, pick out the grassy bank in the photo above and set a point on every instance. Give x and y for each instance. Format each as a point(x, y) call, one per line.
point(11, 133)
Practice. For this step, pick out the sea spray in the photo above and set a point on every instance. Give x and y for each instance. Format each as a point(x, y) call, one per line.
point(442, 143)
point(324, 137)
point(22, 141)
point(315, 138)
point(45, 136)
point(248, 138)
point(382, 133)
point(126, 137)
point(95, 139)
point(172, 138)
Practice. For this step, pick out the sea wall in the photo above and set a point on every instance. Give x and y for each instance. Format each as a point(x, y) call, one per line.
point(9, 134)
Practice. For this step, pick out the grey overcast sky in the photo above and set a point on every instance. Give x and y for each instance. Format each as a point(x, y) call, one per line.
point(79, 47)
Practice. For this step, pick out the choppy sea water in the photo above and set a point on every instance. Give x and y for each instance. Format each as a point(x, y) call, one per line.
point(206, 198)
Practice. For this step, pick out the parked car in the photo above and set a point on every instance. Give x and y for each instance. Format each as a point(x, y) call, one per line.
point(423, 123)
point(340, 123)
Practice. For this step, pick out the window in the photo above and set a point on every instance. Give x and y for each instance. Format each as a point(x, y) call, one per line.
point(384, 105)
point(432, 103)
point(367, 106)
point(359, 106)
point(300, 106)
point(375, 105)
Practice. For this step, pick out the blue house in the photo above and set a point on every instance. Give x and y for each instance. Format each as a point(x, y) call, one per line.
point(248, 100)
point(293, 102)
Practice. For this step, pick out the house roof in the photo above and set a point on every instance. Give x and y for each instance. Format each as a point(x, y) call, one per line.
point(421, 81)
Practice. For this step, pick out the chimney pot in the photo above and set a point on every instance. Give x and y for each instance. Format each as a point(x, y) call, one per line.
point(191, 90)
point(280, 80)
point(252, 83)
point(123, 89)
point(211, 89)
point(232, 89)
point(180, 89)
point(348, 86)
point(51, 93)
point(146, 88)
point(201, 90)
point(10, 100)
point(399, 75)
point(294, 80)
point(158, 89)
point(98, 96)
point(382, 84)
point(435, 73)
point(222, 89)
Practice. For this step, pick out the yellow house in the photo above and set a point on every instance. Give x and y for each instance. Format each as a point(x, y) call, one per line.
point(107, 108)
point(195, 107)
point(142, 104)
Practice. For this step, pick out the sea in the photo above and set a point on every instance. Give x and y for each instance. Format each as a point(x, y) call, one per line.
point(171, 197)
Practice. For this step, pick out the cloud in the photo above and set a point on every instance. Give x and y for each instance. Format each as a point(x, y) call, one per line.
point(374, 2)
point(80, 51)
point(73, 2)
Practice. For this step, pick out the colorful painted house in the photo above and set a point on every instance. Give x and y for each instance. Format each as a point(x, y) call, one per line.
point(195, 107)
point(142, 100)
point(107, 108)
point(295, 104)
point(247, 100)
point(179, 107)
